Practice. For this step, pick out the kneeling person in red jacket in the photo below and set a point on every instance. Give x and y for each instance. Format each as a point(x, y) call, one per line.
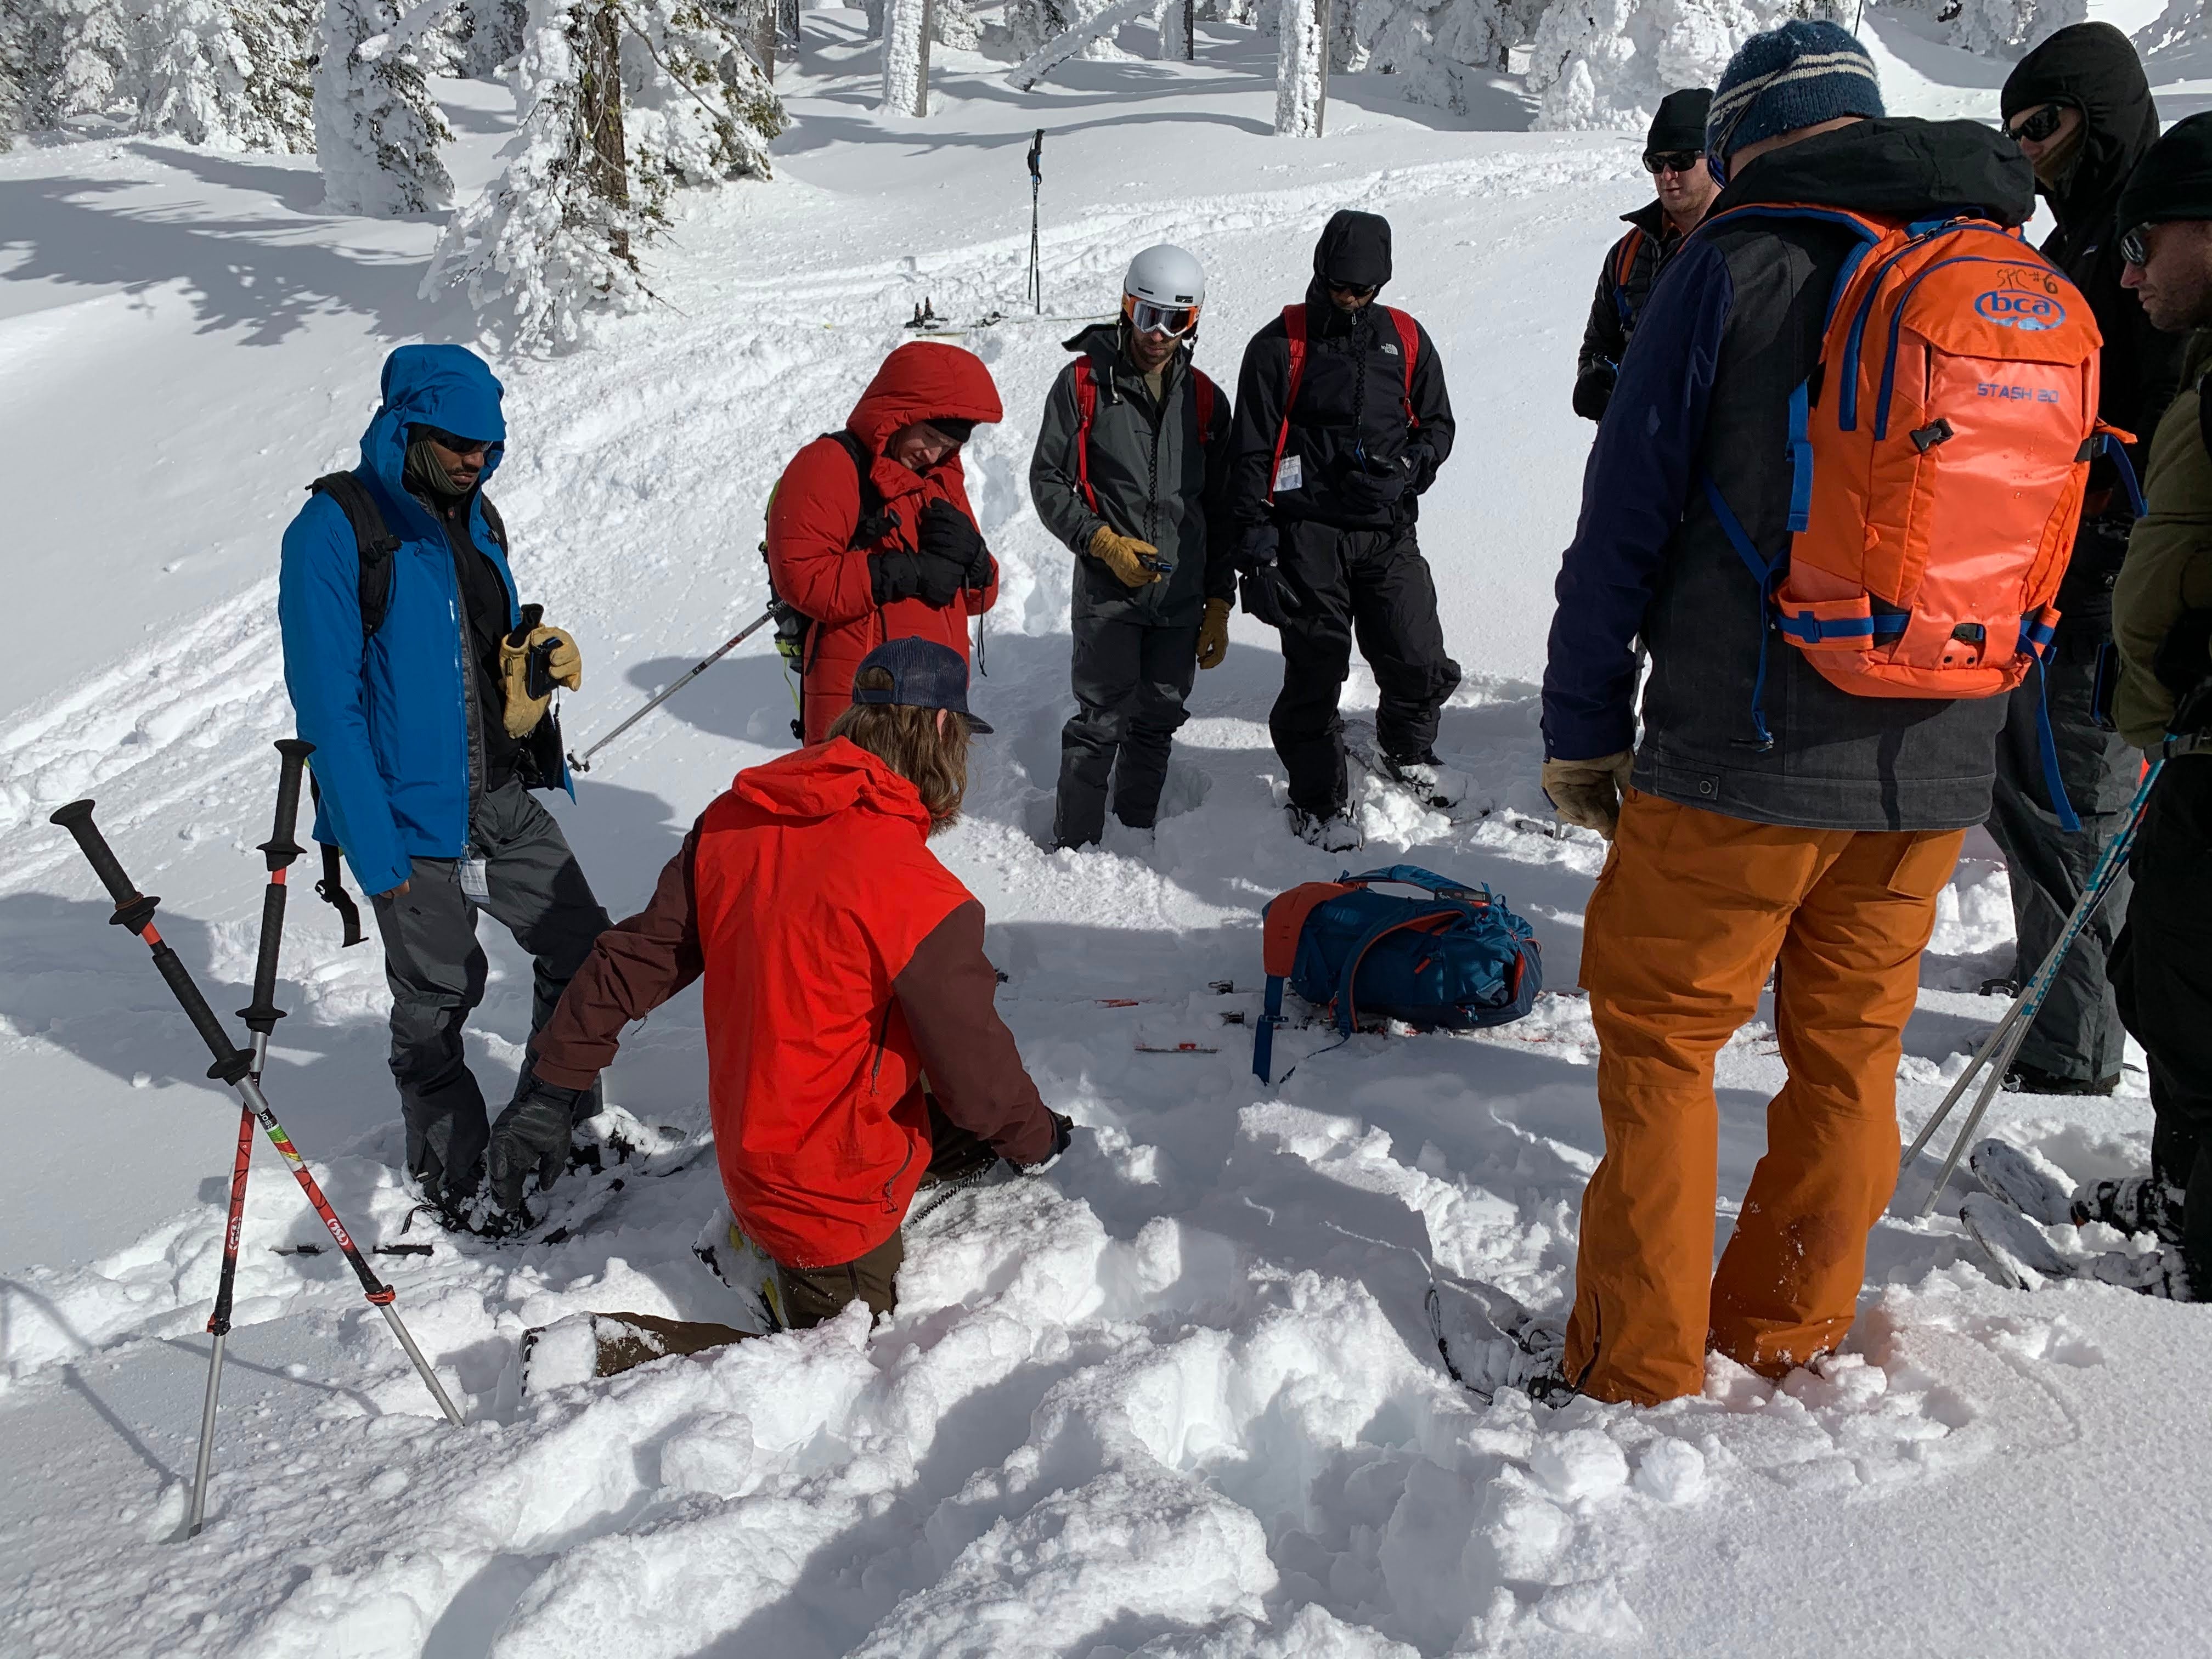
point(842, 962)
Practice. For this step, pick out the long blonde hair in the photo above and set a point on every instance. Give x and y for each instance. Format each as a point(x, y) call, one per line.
point(926, 746)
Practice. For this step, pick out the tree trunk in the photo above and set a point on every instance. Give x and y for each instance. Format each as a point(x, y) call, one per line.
point(598, 90)
point(1302, 69)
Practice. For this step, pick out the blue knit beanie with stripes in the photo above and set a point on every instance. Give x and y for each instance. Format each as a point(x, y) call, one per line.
point(1797, 75)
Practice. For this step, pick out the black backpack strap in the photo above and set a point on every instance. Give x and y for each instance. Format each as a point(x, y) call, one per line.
point(373, 543)
point(493, 522)
point(877, 520)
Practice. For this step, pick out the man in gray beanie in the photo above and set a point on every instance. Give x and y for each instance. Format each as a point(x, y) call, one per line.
point(1819, 837)
point(1674, 156)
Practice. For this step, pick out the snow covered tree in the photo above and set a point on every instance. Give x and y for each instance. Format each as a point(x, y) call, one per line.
point(1300, 68)
point(1604, 64)
point(2000, 28)
point(229, 76)
point(377, 128)
point(622, 102)
point(22, 91)
point(98, 69)
point(906, 58)
point(1441, 49)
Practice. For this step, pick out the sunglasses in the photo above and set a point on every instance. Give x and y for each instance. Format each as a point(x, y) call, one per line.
point(1356, 290)
point(2039, 126)
point(2134, 248)
point(446, 440)
point(1671, 160)
point(1145, 317)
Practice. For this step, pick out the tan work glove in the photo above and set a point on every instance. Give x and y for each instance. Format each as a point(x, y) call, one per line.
point(566, 666)
point(1588, 792)
point(1213, 634)
point(1118, 554)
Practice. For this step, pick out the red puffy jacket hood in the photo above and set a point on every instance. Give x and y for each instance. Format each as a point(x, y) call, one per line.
point(813, 784)
point(922, 381)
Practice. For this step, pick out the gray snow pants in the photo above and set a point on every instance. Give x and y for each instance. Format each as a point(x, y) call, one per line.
point(1131, 679)
point(2077, 1034)
point(437, 970)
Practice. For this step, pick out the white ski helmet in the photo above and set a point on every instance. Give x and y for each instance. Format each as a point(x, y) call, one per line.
point(1166, 276)
point(1164, 291)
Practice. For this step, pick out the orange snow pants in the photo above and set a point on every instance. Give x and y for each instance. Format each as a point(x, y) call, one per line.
point(1691, 911)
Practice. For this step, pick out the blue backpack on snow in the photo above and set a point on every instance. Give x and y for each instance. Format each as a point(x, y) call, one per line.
point(1457, 959)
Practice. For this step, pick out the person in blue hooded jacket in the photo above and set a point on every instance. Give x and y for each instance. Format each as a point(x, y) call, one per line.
point(427, 746)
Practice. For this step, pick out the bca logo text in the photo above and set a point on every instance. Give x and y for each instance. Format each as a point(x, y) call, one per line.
point(2012, 307)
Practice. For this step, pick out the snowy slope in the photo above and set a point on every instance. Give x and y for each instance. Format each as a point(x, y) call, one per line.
point(1176, 1395)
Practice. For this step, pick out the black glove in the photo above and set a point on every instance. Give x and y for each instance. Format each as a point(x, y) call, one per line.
point(947, 533)
point(532, 1133)
point(1262, 544)
point(1374, 486)
point(1063, 1132)
point(1594, 390)
point(894, 575)
point(1268, 595)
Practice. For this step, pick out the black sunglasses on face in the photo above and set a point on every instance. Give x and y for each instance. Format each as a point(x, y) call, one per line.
point(2039, 126)
point(1671, 160)
point(446, 440)
point(2133, 248)
point(1356, 290)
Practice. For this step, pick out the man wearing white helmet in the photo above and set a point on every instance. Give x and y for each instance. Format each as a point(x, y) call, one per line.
point(1131, 472)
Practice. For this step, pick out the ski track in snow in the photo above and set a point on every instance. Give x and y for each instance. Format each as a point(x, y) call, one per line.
point(1176, 1395)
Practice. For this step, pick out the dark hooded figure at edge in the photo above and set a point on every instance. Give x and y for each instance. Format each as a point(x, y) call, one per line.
point(1325, 488)
point(426, 746)
point(2080, 110)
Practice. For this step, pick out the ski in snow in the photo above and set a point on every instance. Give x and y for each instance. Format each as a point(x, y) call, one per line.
point(1489, 1338)
point(1446, 788)
point(2006, 1224)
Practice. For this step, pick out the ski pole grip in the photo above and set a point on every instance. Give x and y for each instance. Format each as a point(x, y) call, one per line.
point(532, 616)
point(76, 818)
point(281, 848)
point(231, 1062)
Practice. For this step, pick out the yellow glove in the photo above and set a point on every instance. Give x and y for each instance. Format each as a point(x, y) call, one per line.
point(1587, 792)
point(1118, 554)
point(565, 666)
point(1213, 634)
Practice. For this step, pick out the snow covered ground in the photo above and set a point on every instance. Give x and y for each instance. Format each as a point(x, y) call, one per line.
point(1175, 1397)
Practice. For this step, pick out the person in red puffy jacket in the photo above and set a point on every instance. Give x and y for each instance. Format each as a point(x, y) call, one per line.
point(841, 960)
point(916, 568)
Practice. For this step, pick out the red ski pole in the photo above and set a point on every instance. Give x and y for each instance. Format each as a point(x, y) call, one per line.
point(260, 1018)
point(234, 1065)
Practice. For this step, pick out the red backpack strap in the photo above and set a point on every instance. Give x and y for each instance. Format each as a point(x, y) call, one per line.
point(1409, 338)
point(1294, 336)
point(1205, 392)
point(1087, 406)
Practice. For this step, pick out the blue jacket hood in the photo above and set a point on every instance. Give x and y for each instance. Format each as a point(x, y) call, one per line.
point(441, 385)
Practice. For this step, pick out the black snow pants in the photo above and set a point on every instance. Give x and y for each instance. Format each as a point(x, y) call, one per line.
point(1131, 679)
point(437, 970)
point(1374, 586)
point(2078, 1032)
point(2163, 970)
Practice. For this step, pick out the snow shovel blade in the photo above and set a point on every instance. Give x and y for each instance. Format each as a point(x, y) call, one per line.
point(584, 1347)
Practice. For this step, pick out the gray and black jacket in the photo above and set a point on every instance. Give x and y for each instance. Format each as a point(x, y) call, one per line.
point(1733, 327)
point(1631, 265)
point(1151, 477)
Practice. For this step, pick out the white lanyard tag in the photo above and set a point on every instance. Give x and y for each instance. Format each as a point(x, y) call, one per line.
point(1290, 473)
point(475, 880)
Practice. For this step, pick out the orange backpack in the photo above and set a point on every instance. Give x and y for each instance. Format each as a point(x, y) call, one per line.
point(1938, 455)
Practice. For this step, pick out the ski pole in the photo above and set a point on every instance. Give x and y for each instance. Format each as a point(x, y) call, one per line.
point(1037, 183)
point(260, 1018)
point(583, 763)
point(1998, 1048)
point(234, 1066)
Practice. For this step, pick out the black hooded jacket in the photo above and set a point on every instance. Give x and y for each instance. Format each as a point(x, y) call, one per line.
point(1361, 464)
point(1734, 327)
point(2093, 67)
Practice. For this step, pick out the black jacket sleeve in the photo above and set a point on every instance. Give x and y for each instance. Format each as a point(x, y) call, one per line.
point(1603, 338)
point(1261, 383)
point(1433, 410)
point(1221, 531)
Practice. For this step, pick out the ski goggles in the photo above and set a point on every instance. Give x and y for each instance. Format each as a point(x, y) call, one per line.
point(1672, 160)
point(1173, 321)
point(2039, 126)
point(458, 445)
point(2134, 248)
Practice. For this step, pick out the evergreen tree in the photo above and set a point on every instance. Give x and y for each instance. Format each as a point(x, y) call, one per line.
point(1605, 64)
point(377, 128)
point(98, 63)
point(623, 102)
point(1298, 70)
point(230, 75)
